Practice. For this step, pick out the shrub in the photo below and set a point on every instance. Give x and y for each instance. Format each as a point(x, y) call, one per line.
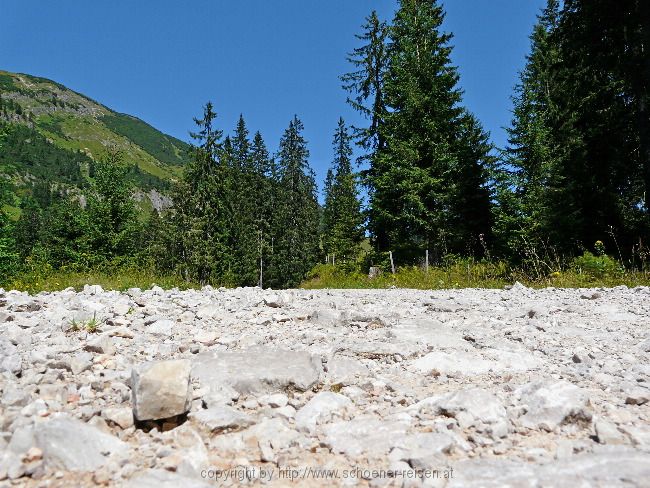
point(596, 266)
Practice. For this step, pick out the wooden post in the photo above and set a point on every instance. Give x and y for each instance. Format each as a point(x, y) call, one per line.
point(392, 264)
point(333, 259)
point(426, 261)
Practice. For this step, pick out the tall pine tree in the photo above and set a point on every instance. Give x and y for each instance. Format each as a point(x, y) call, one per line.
point(296, 247)
point(428, 177)
point(342, 218)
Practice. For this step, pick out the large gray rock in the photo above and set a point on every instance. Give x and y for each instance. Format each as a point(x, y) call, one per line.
point(258, 370)
point(550, 404)
point(161, 389)
point(475, 362)
point(69, 444)
point(614, 467)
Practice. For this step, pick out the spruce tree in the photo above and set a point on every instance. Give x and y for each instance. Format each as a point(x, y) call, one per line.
point(528, 180)
point(265, 193)
point(296, 246)
point(245, 235)
point(111, 212)
point(202, 216)
point(366, 83)
point(420, 194)
point(342, 218)
point(9, 257)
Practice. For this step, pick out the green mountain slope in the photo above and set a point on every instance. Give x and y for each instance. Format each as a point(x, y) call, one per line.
point(51, 134)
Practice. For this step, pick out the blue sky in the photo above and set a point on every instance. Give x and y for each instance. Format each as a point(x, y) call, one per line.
point(161, 60)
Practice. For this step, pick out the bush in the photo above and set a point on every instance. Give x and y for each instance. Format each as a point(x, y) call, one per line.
point(597, 266)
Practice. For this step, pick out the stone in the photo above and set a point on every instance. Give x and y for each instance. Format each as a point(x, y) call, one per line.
point(364, 436)
point(321, 406)
point(423, 450)
point(608, 433)
point(161, 389)
point(275, 400)
point(274, 301)
point(345, 370)
point(473, 407)
point(550, 404)
point(637, 396)
point(161, 328)
point(101, 345)
point(69, 444)
point(217, 419)
point(160, 478)
point(207, 338)
point(190, 449)
point(120, 416)
point(259, 370)
point(475, 363)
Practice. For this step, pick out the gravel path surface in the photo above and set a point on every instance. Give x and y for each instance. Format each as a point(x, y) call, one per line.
point(217, 387)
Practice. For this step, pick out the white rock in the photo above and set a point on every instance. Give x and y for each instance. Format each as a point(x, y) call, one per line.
point(320, 407)
point(161, 389)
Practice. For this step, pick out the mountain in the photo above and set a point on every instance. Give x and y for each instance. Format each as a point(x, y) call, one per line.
point(50, 136)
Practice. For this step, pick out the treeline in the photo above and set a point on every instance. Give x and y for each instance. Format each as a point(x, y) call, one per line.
point(572, 181)
point(577, 168)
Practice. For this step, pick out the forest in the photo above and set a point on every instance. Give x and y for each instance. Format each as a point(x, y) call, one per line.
point(430, 202)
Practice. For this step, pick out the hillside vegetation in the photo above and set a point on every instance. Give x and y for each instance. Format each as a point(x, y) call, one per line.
point(50, 136)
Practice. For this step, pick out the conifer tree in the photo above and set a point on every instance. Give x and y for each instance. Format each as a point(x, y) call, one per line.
point(366, 83)
point(265, 193)
point(420, 193)
point(9, 257)
point(342, 218)
point(296, 247)
point(111, 212)
point(245, 235)
point(528, 176)
point(202, 217)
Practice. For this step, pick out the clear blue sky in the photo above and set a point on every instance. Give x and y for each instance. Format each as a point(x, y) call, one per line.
point(161, 60)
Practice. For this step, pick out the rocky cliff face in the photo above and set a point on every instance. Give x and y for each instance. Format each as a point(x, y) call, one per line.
point(326, 388)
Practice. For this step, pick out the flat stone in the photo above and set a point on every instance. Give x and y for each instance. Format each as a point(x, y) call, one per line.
point(161, 328)
point(257, 370)
point(471, 407)
point(362, 435)
point(608, 433)
point(274, 400)
point(217, 419)
point(69, 444)
point(637, 396)
point(160, 478)
point(120, 416)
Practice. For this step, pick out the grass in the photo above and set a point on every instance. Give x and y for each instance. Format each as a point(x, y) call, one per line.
point(119, 280)
point(91, 135)
point(91, 325)
point(465, 274)
point(468, 274)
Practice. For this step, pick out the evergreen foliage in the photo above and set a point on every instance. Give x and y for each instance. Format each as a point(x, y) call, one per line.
point(296, 245)
point(427, 177)
point(342, 218)
point(575, 171)
point(573, 182)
